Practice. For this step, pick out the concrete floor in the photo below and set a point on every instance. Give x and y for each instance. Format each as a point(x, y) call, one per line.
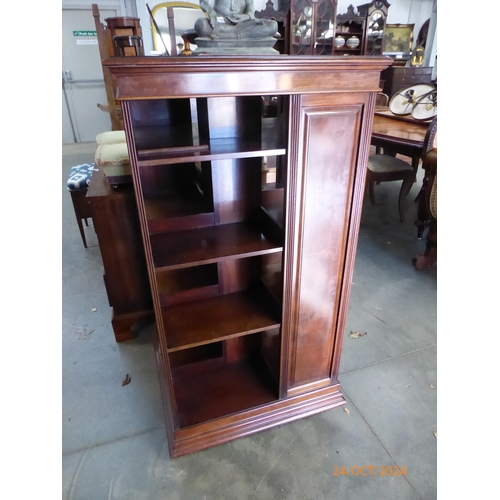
point(114, 443)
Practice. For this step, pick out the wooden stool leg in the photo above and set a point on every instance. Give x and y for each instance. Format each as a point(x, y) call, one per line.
point(81, 211)
point(82, 232)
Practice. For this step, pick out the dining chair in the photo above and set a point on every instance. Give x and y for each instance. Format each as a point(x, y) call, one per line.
point(427, 212)
point(386, 168)
point(381, 102)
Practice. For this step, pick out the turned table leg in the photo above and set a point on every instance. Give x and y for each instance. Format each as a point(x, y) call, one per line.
point(429, 257)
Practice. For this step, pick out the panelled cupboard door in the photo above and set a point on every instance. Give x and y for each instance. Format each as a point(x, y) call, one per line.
point(324, 178)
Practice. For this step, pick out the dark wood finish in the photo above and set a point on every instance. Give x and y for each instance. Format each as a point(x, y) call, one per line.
point(375, 14)
point(399, 135)
point(226, 391)
point(116, 222)
point(398, 78)
point(208, 245)
point(183, 285)
point(219, 318)
point(283, 20)
point(212, 76)
point(177, 213)
point(219, 149)
point(429, 156)
point(382, 101)
point(83, 210)
point(426, 216)
point(386, 168)
point(124, 26)
point(106, 51)
point(251, 309)
point(130, 44)
point(125, 42)
point(429, 257)
point(348, 25)
point(309, 38)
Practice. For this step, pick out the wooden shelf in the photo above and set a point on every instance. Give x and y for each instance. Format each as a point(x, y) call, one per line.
point(217, 149)
point(219, 318)
point(224, 391)
point(176, 213)
point(183, 285)
point(208, 245)
point(272, 279)
point(162, 136)
point(276, 214)
point(348, 49)
point(272, 200)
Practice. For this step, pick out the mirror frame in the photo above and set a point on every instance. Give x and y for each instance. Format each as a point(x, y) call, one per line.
point(164, 5)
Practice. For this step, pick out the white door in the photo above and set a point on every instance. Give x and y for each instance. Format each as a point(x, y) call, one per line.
point(83, 83)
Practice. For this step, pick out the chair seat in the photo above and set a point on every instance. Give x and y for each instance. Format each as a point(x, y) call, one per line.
point(387, 164)
point(79, 176)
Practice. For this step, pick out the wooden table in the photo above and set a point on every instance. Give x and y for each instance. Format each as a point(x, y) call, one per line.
point(116, 222)
point(399, 135)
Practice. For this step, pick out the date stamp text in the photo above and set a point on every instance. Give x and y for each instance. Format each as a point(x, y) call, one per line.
point(369, 470)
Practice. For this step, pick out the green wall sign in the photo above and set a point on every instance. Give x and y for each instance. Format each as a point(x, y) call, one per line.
point(85, 33)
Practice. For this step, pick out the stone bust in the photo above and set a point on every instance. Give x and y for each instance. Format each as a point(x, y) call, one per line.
point(239, 21)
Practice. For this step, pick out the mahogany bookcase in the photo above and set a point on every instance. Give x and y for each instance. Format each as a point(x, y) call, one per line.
point(250, 281)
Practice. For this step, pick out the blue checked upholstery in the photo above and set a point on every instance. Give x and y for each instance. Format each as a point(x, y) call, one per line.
point(79, 177)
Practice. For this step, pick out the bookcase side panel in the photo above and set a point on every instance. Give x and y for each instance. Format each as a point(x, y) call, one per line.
point(327, 159)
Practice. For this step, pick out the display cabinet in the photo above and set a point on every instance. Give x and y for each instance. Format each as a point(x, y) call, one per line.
point(312, 27)
point(283, 20)
point(250, 279)
point(349, 33)
point(375, 13)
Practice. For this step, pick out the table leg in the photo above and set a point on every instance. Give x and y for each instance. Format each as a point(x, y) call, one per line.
point(429, 257)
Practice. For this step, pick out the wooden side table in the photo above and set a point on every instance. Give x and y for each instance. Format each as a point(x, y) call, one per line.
point(78, 183)
point(116, 222)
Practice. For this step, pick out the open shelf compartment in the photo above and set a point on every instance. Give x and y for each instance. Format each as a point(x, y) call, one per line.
point(223, 388)
point(224, 317)
point(209, 245)
point(204, 129)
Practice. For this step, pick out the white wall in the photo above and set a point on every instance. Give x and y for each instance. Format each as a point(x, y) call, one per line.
point(126, 7)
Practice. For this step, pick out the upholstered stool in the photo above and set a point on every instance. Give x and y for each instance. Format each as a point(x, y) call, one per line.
point(78, 183)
